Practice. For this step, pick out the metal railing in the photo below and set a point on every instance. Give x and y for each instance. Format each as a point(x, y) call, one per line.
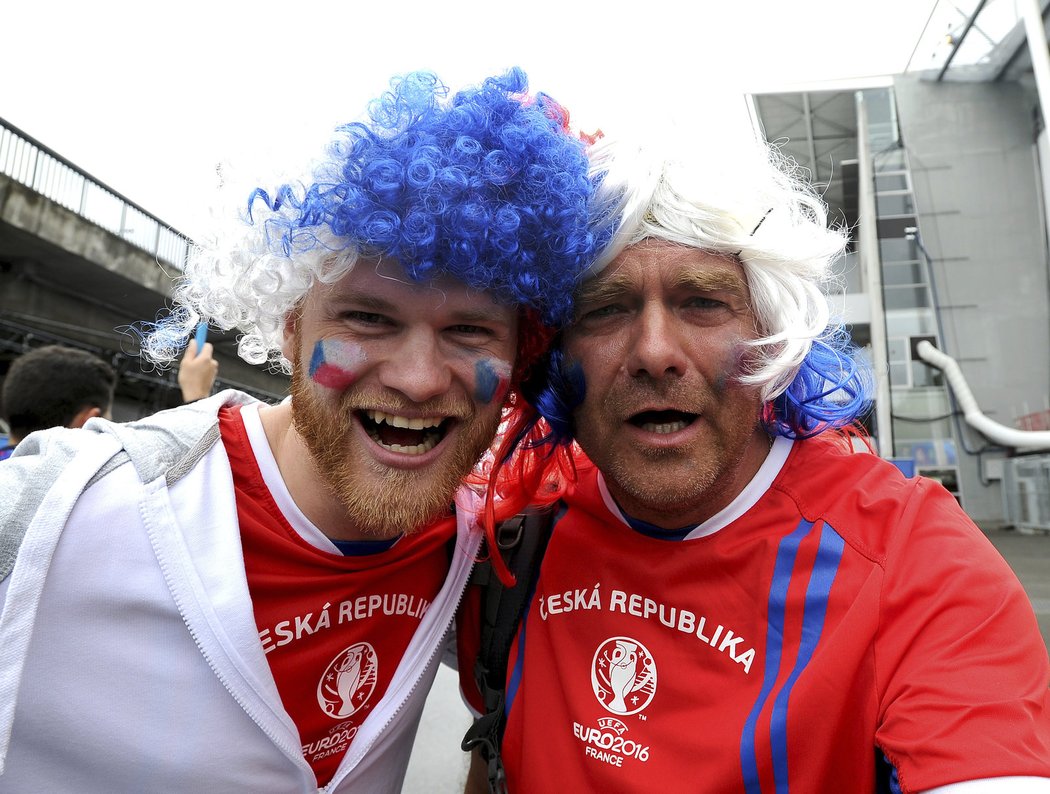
point(29, 162)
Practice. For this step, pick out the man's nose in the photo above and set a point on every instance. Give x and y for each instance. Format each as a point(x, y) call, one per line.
point(417, 367)
point(655, 347)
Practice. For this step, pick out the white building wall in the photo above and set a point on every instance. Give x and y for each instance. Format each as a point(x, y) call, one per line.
point(978, 193)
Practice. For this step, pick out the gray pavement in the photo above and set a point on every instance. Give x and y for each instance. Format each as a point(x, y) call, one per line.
point(439, 767)
point(1029, 556)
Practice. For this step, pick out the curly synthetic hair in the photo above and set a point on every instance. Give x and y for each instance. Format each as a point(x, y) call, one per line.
point(488, 187)
point(749, 202)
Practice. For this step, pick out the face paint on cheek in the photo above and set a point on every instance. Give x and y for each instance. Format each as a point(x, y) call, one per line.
point(335, 364)
point(736, 367)
point(491, 379)
point(573, 384)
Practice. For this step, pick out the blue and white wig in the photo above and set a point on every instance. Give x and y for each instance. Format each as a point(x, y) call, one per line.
point(488, 187)
point(744, 201)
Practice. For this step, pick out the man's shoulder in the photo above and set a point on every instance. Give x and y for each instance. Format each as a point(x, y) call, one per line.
point(157, 442)
point(865, 499)
point(152, 444)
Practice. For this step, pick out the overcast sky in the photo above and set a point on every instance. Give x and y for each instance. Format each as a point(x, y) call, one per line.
point(150, 97)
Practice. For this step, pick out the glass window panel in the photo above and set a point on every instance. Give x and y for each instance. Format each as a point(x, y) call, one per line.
point(925, 402)
point(910, 322)
point(897, 273)
point(905, 297)
point(891, 160)
point(948, 477)
point(897, 349)
point(907, 431)
point(924, 375)
point(899, 375)
point(891, 181)
point(895, 204)
point(898, 249)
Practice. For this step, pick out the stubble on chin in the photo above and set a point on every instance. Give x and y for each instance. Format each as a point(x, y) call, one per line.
point(379, 500)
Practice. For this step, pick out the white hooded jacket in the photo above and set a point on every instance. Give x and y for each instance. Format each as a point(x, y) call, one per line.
point(129, 654)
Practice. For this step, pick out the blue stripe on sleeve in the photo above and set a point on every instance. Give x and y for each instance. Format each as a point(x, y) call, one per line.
point(519, 659)
point(785, 561)
point(825, 566)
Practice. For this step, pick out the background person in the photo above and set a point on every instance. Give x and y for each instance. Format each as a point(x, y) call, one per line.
point(247, 598)
point(732, 598)
point(55, 386)
point(198, 370)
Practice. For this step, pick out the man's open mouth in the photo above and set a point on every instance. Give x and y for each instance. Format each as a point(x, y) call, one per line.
point(663, 422)
point(407, 435)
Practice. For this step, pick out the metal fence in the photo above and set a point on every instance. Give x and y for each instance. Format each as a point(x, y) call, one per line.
point(34, 165)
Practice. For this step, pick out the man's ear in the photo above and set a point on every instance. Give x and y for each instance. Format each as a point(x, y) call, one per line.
point(83, 415)
point(291, 334)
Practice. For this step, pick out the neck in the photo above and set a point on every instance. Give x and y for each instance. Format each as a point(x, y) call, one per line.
point(316, 502)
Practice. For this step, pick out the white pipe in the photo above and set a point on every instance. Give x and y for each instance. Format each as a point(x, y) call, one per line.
point(1028, 440)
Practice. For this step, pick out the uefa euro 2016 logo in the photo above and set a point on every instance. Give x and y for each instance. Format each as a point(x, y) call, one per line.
point(623, 675)
point(349, 681)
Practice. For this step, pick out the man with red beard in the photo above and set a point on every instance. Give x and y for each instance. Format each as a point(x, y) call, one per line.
point(239, 597)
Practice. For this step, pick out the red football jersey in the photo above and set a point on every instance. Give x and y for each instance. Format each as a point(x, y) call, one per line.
point(837, 628)
point(333, 627)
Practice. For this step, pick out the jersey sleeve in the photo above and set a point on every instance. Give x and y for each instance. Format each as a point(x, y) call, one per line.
point(962, 671)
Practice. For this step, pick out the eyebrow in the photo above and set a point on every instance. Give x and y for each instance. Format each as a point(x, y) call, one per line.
point(369, 302)
point(616, 285)
point(600, 289)
point(711, 281)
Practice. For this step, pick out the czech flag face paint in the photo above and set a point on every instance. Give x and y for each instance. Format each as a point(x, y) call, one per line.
point(335, 363)
point(491, 380)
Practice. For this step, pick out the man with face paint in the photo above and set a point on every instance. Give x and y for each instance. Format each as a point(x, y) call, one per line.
point(737, 596)
point(238, 597)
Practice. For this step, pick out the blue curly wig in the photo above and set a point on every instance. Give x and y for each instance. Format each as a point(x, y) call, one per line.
point(831, 389)
point(488, 187)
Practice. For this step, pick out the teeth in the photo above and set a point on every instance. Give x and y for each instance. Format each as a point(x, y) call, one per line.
point(415, 423)
point(417, 449)
point(664, 428)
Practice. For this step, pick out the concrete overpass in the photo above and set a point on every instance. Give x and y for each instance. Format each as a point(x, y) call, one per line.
point(80, 264)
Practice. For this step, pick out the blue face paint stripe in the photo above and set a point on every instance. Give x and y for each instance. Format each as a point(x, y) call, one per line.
point(778, 589)
point(825, 566)
point(486, 381)
point(317, 359)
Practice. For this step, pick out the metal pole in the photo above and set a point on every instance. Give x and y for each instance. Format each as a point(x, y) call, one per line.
point(1032, 14)
point(962, 37)
point(871, 267)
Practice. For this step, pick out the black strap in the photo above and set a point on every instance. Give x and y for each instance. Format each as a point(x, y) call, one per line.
point(521, 541)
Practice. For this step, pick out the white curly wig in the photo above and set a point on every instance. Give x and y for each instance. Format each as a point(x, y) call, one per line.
point(744, 200)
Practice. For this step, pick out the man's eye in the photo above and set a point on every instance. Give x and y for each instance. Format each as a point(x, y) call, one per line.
point(600, 312)
point(366, 318)
point(703, 302)
point(470, 330)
